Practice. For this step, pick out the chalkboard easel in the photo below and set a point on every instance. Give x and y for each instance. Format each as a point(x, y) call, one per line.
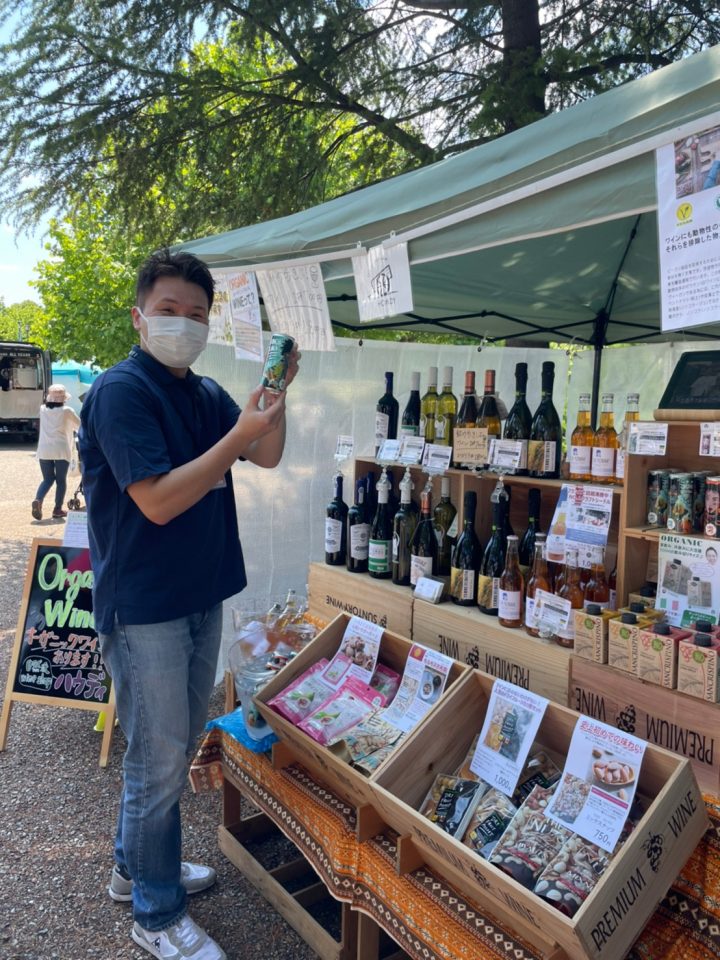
point(56, 657)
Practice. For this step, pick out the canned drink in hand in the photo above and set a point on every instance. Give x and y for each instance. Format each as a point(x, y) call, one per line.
point(274, 376)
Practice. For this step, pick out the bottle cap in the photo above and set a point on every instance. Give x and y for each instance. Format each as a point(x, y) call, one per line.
point(593, 609)
point(628, 618)
point(432, 376)
point(647, 591)
point(703, 626)
point(662, 629)
point(703, 640)
point(447, 376)
point(415, 380)
point(637, 607)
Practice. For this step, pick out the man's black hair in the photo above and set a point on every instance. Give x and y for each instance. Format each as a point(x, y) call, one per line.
point(165, 264)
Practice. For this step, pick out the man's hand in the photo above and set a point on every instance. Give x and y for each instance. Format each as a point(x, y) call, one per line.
point(254, 422)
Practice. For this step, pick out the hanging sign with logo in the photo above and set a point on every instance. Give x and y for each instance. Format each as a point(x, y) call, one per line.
point(382, 282)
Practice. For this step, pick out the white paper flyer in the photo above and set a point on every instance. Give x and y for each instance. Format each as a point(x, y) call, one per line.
point(296, 304)
point(581, 520)
point(422, 685)
point(382, 282)
point(688, 579)
point(511, 723)
point(596, 790)
point(357, 655)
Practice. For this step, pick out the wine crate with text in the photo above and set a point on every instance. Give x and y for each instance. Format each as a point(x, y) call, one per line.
point(333, 590)
point(339, 776)
point(631, 887)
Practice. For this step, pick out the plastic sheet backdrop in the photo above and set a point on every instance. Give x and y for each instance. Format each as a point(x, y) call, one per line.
point(281, 512)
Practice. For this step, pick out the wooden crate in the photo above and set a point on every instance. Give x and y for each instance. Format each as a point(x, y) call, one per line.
point(339, 776)
point(671, 719)
point(478, 640)
point(626, 895)
point(333, 590)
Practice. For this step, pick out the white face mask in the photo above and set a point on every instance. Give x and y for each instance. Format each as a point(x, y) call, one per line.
point(175, 341)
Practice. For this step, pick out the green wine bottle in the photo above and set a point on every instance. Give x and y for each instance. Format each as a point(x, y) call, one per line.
point(493, 563)
point(380, 545)
point(358, 532)
point(423, 553)
point(386, 414)
point(446, 528)
point(404, 524)
point(466, 557)
point(519, 420)
point(335, 532)
point(545, 447)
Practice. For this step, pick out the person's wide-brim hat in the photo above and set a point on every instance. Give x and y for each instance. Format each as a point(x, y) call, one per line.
point(57, 393)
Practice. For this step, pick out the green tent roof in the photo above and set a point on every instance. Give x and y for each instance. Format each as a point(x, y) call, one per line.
point(534, 235)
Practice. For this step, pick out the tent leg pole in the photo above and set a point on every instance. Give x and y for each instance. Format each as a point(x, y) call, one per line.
point(597, 360)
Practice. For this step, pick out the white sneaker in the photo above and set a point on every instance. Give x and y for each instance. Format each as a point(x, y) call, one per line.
point(195, 877)
point(185, 940)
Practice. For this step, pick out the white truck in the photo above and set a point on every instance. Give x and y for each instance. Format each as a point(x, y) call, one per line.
point(25, 375)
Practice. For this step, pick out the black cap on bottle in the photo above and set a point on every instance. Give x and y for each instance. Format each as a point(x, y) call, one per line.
point(662, 629)
point(637, 607)
point(470, 502)
point(628, 618)
point(534, 495)
point(521, 377)
point(703, 640)
point(703, 626)
point(647, 591)
point(593, 609)
point(548, 376)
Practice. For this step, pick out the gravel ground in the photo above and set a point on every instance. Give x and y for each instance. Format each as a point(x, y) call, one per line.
point(58, 807)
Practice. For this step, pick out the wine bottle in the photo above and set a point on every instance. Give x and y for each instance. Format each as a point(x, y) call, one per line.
point(572, 591)
point(446, 528)
point(423, 552)
point(446, 411)
point(386, 414)
point(632, 415)
point(466, 557)
point(605, 444)
point(517, 424)
point(381, 529)
point(581, 441)
point(511, 588)
point(335, 532)
point(493, 563)
point(545, 447)
point(404, 523)
point(428, 407)
point(526, 549)
point(488, 417)
point(410, 423)
point(612, 584)
point(467, 414)
point(358, 532)
point(539, 579)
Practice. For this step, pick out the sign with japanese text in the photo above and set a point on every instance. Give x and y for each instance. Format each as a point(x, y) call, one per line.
point(382, 282)
point(296, 304)
point(581, 521)
point(688, 190)
point(235, 314)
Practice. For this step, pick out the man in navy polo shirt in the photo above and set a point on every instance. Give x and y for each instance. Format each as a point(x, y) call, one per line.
point(157, 443)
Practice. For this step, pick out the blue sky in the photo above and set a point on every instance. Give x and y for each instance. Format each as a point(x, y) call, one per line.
point(18, 256)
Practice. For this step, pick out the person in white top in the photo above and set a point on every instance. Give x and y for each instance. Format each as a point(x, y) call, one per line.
point(57, 423)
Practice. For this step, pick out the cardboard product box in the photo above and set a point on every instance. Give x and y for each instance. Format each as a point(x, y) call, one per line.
point(591, 635)
point(657, 655)
point(343, 779)
point(510, 654)
point(333, 590)
point(698, 670)
point(627, 893)
point(622, 642)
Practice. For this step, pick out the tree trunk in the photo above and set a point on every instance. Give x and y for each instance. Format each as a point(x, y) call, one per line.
point(522, 73)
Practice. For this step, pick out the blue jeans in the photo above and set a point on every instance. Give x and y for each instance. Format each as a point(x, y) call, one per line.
point(53, 471)
point(163, 675)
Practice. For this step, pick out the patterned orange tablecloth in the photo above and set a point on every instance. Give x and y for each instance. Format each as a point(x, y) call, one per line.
point(425, 916)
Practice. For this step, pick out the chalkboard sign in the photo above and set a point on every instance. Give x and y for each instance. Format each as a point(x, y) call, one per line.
point(695, 382)
point(56, 659)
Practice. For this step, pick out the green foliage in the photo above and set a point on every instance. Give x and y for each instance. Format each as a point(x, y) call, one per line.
point(20, 321)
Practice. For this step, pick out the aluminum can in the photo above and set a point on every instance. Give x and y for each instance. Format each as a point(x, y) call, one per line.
point(680, 503)
point(657, 497)
point(712, 507)
point(699, 487)
point(274, 374)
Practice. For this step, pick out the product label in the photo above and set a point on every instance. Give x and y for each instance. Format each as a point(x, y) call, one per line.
point(359, 537)
point(541, 456)
point(379, 556)
point(509, 604)
point(488, 590)
point(441, 431)
point(580, 459)
point(462, 583)
point(395, 548)
point(529, 608)
point(333, 535)
point(382, 423)
point(612, 602)
point(620, 463)
point(452, 530)
point(603, 461)
point(420, 567)
point(409, 430)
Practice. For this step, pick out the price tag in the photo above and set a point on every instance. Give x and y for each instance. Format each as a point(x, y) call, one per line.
point(649, 438)
point(470, 445)
point(76, 529)
point(344, 448)
point(428, 589)
point(411, 450)
point(710, 440)
point(506, 453)
point(389, 451)
point(550, 612)
point(436, 458)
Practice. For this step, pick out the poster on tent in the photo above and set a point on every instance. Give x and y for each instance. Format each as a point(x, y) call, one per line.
point(296, 304)
point(235, 314)
point(382, 282)
point(688, 579)
point(688, 192)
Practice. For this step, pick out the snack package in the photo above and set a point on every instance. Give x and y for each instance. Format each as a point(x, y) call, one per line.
point(571, 794)
point(530, 840)
point(464, 770)
point(539, 770)
point(372, 762)
point(304, 695)
point(368, 736)
point(386, 681)
point(488, 821)
point(450, 801)
point(567, 881)
point(353, 702)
